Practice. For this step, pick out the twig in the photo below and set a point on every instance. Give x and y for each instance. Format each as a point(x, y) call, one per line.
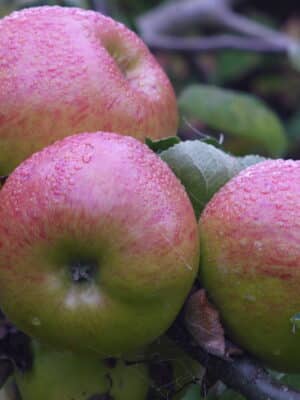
point(163, 28)
point(242, 374)
point(208, 44)
point(100, 6)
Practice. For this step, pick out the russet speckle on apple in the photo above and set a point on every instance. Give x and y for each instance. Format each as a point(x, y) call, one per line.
point(99, 244)
point(67, 70)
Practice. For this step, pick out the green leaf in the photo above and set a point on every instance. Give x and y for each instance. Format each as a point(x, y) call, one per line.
point(250, 124)
point(193, 393)
point(203, 169)
point(292, 380)
point(248, 160)
point(162, 144)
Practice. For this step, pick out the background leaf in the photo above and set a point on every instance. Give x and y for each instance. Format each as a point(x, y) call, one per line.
point(245, 118)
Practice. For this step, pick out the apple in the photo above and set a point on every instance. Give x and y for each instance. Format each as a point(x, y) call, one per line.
point(250, 260)
point(99, 244)
point(65, 375)
point(67, 70)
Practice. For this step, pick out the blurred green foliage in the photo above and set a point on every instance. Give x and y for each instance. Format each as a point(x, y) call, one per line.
point(250, 125)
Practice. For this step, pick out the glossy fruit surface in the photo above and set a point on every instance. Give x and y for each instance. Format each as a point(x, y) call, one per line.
point(67, 70)
point(99, 244)
point(68, 376)
point(250, 260)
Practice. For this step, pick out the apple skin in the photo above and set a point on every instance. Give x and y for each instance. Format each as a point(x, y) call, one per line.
point(107, 204)
point(65, 375)
point(67, 70)
point(250, 260)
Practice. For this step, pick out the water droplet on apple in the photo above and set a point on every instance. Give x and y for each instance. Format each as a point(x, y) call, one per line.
point(258, 245)
point(36, 321)
point(86, 158)
point(250, 298)
point(88, 153)
point(295, 321)
point(243, 242)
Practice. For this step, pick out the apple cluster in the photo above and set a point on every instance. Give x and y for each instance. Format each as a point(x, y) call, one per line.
point(99, 241)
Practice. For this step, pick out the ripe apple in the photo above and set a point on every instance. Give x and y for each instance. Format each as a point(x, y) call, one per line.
point(68, 70)
point(99, 244)
point(250, 260)
point(65, 375)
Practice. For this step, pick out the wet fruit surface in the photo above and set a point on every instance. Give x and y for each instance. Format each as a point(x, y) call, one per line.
point(67, 70)
point(100, 238)
point(250, 260)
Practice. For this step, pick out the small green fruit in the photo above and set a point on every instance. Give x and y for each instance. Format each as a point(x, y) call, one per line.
point(65, 375)
point(171, 370)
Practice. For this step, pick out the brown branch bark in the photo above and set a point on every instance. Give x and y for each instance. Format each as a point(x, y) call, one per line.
point(242, 374)
point(209, 44)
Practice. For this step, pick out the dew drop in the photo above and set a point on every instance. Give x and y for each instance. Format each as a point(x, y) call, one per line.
point(295, 322)
point(250, 298)
point(258, 245)
point(86, 158)
point(243, 242)
point(36, 321)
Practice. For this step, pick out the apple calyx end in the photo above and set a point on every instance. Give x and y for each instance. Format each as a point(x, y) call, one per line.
point(83, 271)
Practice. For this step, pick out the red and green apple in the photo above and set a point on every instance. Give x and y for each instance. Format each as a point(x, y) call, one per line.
point(99, 244)
point(250, 260)
point(67, 70)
